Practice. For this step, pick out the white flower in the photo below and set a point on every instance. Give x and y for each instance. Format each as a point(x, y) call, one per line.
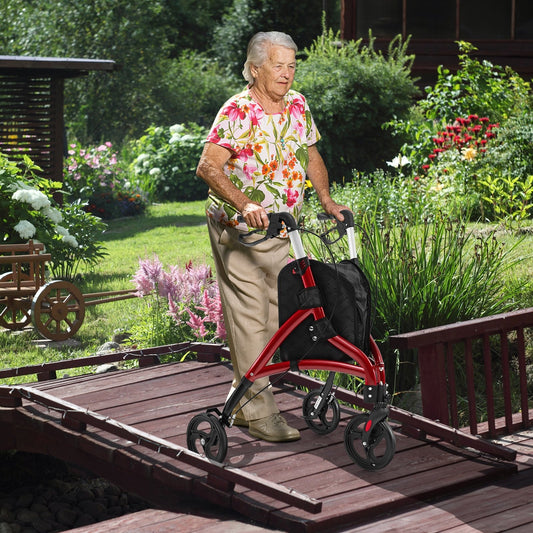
point(36, 198)
point(25, 229)
point(70, 240)
point(155, 171)
point(62, 231)
point(53, 214)
point(141, 158)
point(177, 128)
point(398, 161)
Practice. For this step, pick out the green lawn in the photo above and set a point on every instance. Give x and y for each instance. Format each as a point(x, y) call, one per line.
point(176, 233)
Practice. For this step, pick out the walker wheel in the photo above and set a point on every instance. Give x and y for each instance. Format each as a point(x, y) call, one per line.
point(322, 420)
point(379, 450)
point(205, 434)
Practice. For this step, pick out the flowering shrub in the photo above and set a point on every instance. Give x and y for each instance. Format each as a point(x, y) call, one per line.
point(29, 211)
point(165, 162)
point(451, 172)
point(181, 304)
point(94, 176)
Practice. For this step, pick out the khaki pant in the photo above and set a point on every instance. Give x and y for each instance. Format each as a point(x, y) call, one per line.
point(247, 280)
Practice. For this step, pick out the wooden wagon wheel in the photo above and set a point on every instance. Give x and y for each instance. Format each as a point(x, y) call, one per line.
point(14, 310)
point(57, 310)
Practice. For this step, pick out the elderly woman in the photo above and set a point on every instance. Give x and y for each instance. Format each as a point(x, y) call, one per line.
point(258, 155)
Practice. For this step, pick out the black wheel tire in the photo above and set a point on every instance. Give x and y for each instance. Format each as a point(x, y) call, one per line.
point(205, 434)
point(326, 420)
point(379, 451)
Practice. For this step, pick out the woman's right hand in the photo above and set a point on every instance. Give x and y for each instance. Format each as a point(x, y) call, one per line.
point(255, 216)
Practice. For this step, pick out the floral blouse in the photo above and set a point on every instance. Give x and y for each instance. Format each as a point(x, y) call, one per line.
point(269, 154)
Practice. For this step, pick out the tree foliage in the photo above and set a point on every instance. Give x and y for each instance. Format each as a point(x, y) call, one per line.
point(170, 68)
point(352, 91)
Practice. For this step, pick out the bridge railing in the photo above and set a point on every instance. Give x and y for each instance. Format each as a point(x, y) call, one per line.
point(474, 374)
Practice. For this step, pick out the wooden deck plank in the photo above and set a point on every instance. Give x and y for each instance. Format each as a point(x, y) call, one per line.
point(161, 400)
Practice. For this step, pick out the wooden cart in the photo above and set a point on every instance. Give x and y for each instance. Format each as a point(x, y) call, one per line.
point(56, 308)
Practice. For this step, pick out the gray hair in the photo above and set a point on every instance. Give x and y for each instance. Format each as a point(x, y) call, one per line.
point(258, 48)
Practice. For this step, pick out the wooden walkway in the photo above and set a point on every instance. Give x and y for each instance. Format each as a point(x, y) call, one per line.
point(130, 427)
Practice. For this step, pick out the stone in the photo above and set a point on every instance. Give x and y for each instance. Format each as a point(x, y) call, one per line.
point(66, 516)
point(108, 367)
point(108, 347)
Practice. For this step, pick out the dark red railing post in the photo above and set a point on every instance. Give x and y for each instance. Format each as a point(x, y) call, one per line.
point(432, 367)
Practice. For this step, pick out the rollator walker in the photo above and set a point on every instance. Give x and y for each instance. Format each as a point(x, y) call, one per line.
point(324, 316)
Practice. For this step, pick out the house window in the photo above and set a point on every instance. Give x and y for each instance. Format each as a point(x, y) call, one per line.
point(524, 19)
point(485, 19)
point(383, 17)
point(435, 20)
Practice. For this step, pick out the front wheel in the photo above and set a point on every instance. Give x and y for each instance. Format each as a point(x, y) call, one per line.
point(205, 434)
point(378, 451)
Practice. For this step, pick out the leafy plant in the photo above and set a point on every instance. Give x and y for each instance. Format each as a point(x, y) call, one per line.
point(510, 198)
point(165, 162)
point(428, 275)
point(29, 211)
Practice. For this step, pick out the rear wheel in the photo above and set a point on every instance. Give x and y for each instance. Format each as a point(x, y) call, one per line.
point(324, 418)
point(14, 310)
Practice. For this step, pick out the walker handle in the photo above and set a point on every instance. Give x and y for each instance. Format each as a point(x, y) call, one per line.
point(277, 222)
point(344, 227)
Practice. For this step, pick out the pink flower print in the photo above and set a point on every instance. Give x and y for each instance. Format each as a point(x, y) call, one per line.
point(256, 114)
point(245, 153)
point(234, 112)
point(297, 108)
point(292, 196)
point(249, 170)
point(214, 136)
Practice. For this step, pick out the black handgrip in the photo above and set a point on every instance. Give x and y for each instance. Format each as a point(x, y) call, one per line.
point(341, 227)
point(277, 222)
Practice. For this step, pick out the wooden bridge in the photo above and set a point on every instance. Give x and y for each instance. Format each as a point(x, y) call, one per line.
point(129, 426)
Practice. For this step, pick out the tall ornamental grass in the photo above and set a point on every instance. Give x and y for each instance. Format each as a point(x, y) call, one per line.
point(427, 275)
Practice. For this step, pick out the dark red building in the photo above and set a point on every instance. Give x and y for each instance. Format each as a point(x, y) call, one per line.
point(501, 30)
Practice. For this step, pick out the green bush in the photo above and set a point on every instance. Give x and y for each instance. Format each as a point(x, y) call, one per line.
point(352, 91)
point(28, 211)
point(478, 87)
point(193, 87)
point(165, 161)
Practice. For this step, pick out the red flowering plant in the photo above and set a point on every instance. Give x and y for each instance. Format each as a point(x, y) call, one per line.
point(451, 171)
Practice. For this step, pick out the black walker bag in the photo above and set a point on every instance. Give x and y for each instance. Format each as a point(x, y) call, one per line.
point(344, 292)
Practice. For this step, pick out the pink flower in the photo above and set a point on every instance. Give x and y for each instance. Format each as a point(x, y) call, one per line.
point(196, 323)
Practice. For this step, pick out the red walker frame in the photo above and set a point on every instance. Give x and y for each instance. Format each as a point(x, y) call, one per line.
point(374, 426)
